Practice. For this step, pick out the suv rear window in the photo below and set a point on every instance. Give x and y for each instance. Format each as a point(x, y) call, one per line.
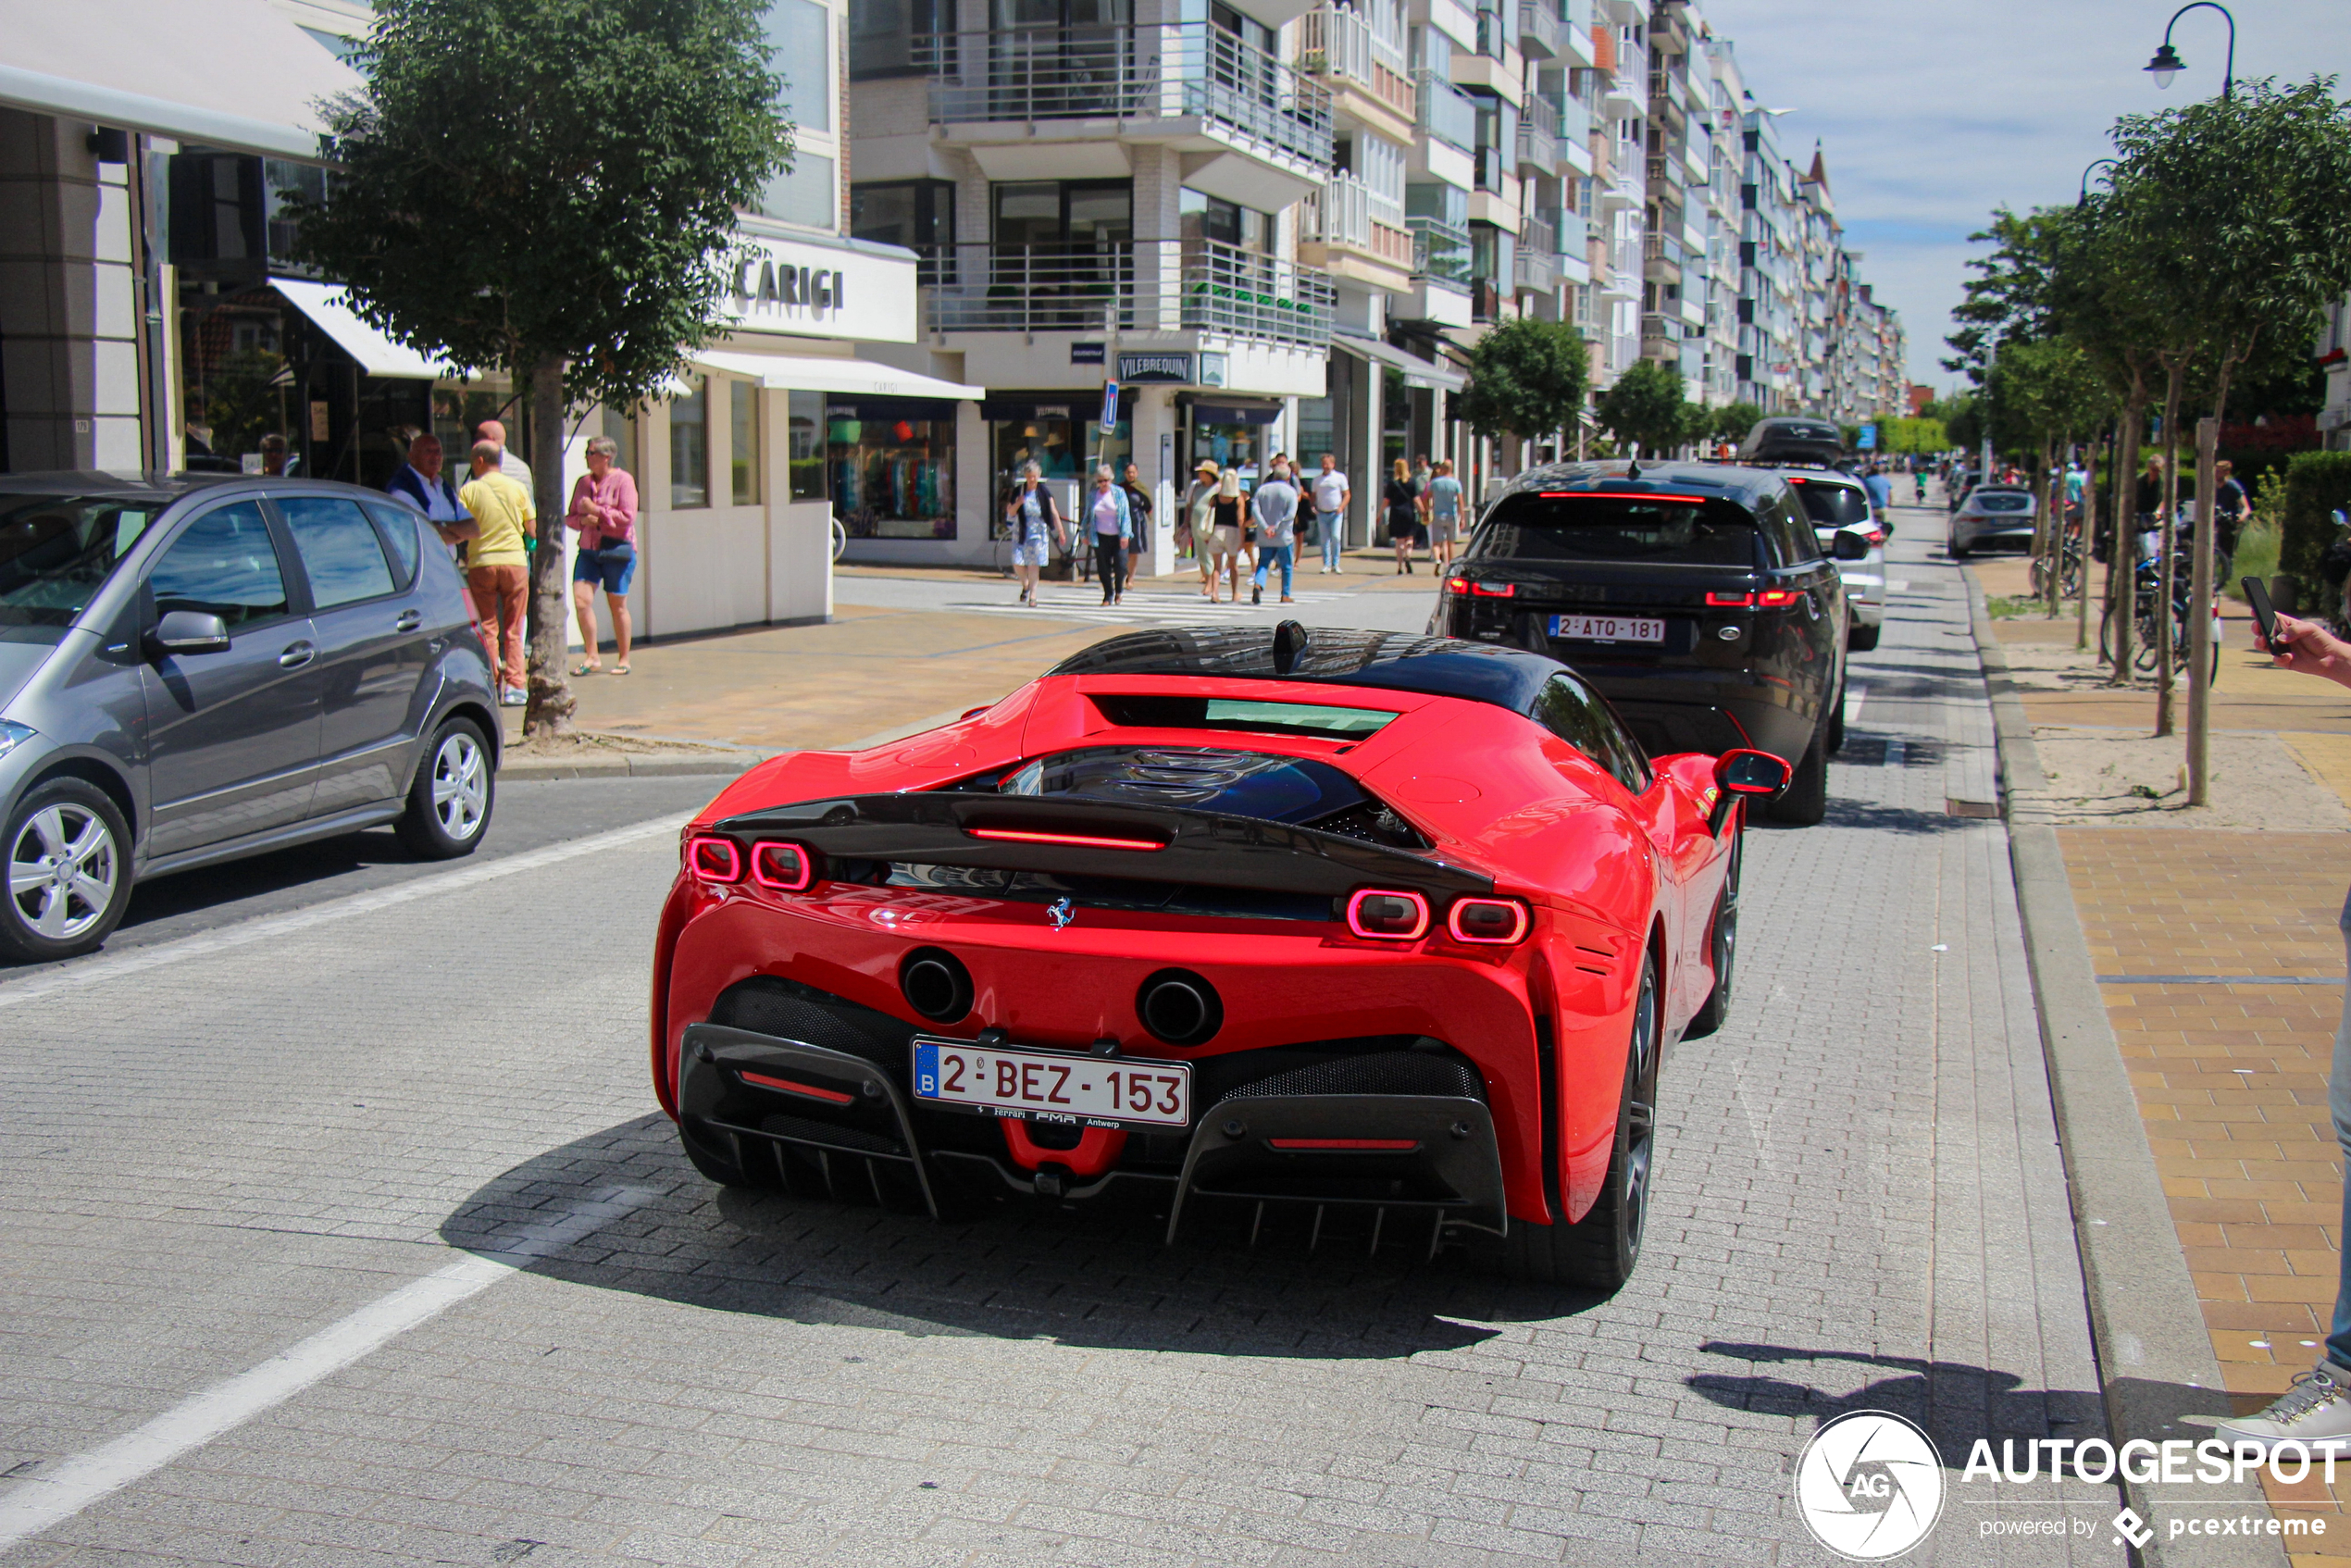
point(1684, 530)
point(2002, 500)
point(1831, 505)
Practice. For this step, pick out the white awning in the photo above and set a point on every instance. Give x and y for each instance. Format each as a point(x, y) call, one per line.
point(377, 355)
point(815, 373)
point(227, 73)
point(1418, 372)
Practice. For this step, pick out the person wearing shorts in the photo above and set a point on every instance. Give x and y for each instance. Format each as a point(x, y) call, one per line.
point(604, 513)
point(1444, 512)
point(1035, 527)
point(1225, 511)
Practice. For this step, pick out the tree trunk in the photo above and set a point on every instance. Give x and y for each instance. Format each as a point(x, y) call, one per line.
point(551, 703)
point(2122, 555)
point(2200, 662)
point(2052, 530)
point(2167, 507)
point(2089, 534)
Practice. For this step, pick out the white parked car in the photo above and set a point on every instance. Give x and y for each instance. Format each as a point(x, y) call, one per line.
point(1837, 503)
point(1993, 514)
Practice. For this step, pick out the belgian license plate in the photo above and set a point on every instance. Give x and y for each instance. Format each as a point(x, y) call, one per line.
point(1050, 1086)
point(1609, 629)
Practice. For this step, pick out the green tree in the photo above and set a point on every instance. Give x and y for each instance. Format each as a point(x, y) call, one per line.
point(1645, 408)
point(1919, 437)
point(1963, 419)
point(549, 188)
point(1526, 377)
point(1733, 420)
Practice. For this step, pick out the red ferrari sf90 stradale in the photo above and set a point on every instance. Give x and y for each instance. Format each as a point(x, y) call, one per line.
point(1334, 921)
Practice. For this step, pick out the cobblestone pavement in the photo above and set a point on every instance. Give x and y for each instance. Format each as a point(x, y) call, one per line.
point(207, 1160)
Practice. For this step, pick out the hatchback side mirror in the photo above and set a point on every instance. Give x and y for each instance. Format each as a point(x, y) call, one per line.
point(1851, 546)
point(189, 631)
point(1744, 774)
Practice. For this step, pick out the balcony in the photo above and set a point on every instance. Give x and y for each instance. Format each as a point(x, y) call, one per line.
point(1537, 139)
point(1126, 287)
point(1661, 259)
point(1534, 273)
point(1447, 112)
point(1347, 214)
point(1492, 168)
point(1339, 47)
point(1573, 233)
point(1187, 84)
point(1494, 32)
point(1540, 28)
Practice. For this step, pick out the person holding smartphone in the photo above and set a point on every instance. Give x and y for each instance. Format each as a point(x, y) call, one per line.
point(2317, 1411)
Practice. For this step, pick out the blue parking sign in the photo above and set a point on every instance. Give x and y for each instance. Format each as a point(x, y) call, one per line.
point(1868, 438)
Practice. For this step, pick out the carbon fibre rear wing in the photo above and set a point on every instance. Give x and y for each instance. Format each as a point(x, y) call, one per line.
point(1067, 836)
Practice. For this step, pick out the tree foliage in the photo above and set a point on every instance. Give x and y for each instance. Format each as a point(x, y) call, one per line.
point(1733, 420)
point(1526, 377)
point(1645, 408)
point(2043, 393)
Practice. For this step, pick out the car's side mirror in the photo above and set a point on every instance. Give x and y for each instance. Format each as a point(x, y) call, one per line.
point(189, 631)
point(1744, 774)
point(1851, 546)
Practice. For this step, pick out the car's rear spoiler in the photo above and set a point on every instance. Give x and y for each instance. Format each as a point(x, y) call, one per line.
point(1084, 838)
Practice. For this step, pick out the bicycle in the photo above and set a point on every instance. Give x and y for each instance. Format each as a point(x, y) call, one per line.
point(2146, 584)
point(2069, 569)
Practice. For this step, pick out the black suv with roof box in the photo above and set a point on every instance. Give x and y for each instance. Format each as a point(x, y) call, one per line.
point(1792, 437)
point(1696, 598)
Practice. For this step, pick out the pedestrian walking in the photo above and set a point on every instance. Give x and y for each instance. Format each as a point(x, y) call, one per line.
point(497, 564)
point(604, 513)
point(1444, 514)
point(1197, 527)
point(1880, 487)
point(1330, 494)
point(1276, 507)
point(1109, 522)
point(1403, 502)
point(2231, 509)
point(1225, 509)
point(509, 465)
point(1138, 511)
point(1037, 529)
point(423, 481)
point(2316, 1412)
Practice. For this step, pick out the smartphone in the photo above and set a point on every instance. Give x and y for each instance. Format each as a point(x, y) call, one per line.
point(2257, 593)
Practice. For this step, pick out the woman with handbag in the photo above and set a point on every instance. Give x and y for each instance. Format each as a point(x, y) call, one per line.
point(1037, 529)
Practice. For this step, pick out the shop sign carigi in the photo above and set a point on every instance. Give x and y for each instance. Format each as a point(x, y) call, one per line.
point(820, 291)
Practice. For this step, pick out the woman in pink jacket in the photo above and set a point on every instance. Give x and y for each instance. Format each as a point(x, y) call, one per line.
point(603, 508)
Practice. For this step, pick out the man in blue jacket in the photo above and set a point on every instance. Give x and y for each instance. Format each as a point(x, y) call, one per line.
point(422, 482)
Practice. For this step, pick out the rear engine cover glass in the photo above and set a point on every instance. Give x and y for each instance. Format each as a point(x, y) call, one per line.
point(1271, 788)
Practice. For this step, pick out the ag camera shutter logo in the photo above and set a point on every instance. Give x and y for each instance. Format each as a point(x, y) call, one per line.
point(1870, 1485)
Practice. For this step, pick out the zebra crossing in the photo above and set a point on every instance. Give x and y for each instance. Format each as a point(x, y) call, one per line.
point(1149, 608)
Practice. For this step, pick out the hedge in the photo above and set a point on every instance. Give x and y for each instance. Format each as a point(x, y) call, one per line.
point(2316, 484)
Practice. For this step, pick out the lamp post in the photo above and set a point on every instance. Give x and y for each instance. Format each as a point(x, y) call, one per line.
point(2082, 201)
point(2167, 63)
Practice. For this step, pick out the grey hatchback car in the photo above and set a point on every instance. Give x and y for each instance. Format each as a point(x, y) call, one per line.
point(198, 668)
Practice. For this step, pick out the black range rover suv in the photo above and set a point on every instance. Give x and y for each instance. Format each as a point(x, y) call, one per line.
point(1696, 598)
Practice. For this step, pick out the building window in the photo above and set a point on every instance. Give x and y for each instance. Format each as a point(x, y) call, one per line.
point(1227, 223)
point(803, 196)
point(804, 445)
point(899, 38)
point(742, 454)
point(893, 467)
point(799, 45)
point(689, 445)
point(917, 213)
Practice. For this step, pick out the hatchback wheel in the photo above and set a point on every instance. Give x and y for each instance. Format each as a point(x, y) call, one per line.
point(450, 801)
point(68, 872)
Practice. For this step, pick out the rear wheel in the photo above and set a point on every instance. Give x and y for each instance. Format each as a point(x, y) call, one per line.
point(450, 801)
point(1836, 721)
point(1806, 800)
point(1723, 945)
point(1863, 638)
point(1598, 1250)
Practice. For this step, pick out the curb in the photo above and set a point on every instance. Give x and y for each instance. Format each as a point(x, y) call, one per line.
point(532, 769)
point(2154, 1353)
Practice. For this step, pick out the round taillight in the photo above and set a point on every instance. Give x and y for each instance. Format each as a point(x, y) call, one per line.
point(782, 866)
point(1489, 921)
point(713, 859)
point(1387, 916)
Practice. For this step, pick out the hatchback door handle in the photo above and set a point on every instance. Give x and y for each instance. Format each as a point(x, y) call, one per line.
point(296, 655)
point(409, 621)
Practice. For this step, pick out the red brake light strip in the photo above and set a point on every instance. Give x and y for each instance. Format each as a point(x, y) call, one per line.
point(830, 1095)
point(1075, 841)
point(1394, 1145)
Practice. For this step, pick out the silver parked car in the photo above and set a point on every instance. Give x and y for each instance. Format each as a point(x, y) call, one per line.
point(198, 668)
point(1993, 514)
point(1837, 503)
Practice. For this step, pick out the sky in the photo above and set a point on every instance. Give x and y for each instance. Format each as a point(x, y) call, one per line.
point(1932, 115)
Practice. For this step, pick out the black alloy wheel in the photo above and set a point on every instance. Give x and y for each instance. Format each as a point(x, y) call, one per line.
point(1723, 942)
point(1806, 800)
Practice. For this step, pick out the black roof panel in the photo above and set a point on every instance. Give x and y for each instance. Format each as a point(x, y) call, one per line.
point(1747, 486)
point(1391, 661)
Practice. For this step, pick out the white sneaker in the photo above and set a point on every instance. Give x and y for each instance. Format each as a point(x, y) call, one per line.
point(513, 697)
point(2316, 1412)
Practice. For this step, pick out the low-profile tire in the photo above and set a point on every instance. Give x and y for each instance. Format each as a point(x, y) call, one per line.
point(1956, 550)
point(1599, 1250)
point(454, 792)
point(68, 861)
point(1836, 721)
point(1863, 638)
point(1722, 948)
point(1806, 800)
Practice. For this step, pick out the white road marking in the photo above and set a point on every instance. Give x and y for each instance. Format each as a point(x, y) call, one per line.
point(94, 971)
point(1854, 697)
point(53, 1495)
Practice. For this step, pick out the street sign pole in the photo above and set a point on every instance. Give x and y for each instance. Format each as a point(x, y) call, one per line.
point(1109, 420)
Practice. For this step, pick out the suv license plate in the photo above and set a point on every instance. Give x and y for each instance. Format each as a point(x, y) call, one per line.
point(1050, 1086)
point(1609, 629)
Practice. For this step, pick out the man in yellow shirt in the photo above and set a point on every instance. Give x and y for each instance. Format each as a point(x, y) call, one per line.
point(498, 567)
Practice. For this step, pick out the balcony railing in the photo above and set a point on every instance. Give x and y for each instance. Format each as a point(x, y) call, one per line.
point(1347, 212)
point(1571, 231)
point(1334, 42)
point(1493, 163)
point(1447, 112)
point(1168, 71)
point(1539, 28)
point(1126, 286)
point(1539, 132)
point(1533, 271)
point(1439, 250)
point(1574, 121)
point(1494, 31)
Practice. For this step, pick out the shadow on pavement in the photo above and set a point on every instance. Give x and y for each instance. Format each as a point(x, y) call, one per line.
point(1090, 1276)
point(1955, 1404)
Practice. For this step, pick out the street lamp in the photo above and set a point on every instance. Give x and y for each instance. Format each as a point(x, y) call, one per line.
point(2167, 63)
point(2083, 202)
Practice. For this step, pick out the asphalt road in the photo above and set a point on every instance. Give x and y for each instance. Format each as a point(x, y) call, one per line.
point(337, 1225)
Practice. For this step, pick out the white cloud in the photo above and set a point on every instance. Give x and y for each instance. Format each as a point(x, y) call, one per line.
point(1931, 115)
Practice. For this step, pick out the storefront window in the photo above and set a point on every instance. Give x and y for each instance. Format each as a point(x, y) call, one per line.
point(1232, 436)
point(689, 445)
point(742, 428)
point(1063, 448)
point(804, 445)
point(893, 462)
